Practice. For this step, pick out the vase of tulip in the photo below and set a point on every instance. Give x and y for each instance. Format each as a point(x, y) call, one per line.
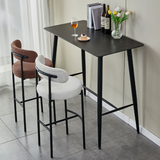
point(117, 33)
point(117, 19)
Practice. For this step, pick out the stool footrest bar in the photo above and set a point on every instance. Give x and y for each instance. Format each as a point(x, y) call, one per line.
point(44, 125)
point(29, 99)
point(19, 102)
point(62, 120)
point(74, 113)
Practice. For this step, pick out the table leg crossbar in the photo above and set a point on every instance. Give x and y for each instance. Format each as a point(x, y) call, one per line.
point(116, 108)
point(102, 98)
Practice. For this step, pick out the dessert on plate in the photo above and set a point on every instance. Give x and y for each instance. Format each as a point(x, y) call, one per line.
point(83, 37)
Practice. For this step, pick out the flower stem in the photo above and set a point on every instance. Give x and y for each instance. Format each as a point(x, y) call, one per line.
point(116, 29)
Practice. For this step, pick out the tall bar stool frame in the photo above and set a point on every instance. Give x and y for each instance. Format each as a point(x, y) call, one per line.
point(50, 113)
point(21, 103)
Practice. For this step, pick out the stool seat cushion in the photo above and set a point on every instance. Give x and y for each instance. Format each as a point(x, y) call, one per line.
point(28, 68)
point(60, 91)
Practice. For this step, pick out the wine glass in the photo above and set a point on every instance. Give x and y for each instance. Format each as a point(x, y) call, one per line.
point(74, 24)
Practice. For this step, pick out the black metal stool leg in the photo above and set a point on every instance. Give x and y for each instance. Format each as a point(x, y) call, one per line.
point(14, 92)
point(38, 123)
point(65, 104)
point(50, 118)
point(41, 99)
point(50, 121)
point(41, 104)
point(83, 123)
point(54, 111)
point(23, 96)
point(14, 97)
point(24, 109)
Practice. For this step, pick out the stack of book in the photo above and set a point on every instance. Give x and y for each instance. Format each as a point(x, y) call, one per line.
point(94, 11)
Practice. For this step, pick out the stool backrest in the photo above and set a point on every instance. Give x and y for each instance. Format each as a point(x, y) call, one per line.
point(16, 48)
point(62, 75)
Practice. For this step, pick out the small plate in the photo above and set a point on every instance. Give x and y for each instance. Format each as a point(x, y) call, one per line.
point(88, 38)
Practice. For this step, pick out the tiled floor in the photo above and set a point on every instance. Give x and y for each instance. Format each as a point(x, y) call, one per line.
point(119, 140)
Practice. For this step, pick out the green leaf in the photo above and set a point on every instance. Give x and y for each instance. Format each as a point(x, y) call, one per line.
point(113, 18)
point(123, 18)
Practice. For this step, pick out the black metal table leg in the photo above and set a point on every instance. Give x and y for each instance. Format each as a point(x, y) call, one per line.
point(99, 99)
point(84, 69)
point(133, 87)
point(54, 50)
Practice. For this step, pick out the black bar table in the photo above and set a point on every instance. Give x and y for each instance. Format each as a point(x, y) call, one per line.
point(99, 45)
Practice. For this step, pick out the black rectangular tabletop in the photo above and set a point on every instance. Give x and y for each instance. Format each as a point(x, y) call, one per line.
point(100, 44)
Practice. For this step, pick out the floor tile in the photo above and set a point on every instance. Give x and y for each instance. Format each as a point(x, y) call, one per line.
point(5, 89)
point(119, 140)
point(89, 105)
point(63, 144)
point(5, 134)
point(14, 151)
point(83, 155)
point(17, 128)
point(7, 105)
point(129, 147)
point(111, 128)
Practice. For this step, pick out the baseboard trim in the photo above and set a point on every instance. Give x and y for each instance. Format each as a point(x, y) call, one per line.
point(129, 121)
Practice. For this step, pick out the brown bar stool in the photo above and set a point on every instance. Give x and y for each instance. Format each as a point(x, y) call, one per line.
point(24, 68)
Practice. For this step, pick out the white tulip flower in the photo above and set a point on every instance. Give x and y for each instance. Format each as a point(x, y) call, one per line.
point(128, 13)
point(117, 9)
point(119, 14)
